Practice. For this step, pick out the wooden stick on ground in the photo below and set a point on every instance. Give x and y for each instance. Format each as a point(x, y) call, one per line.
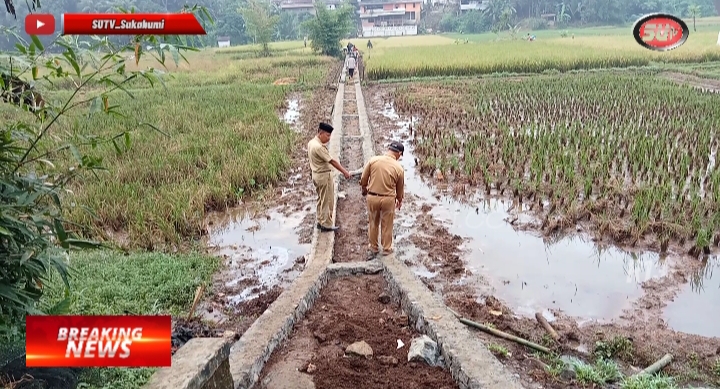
point(505, 335)
point(547, 326)
point(196, 300)
point(657, 366)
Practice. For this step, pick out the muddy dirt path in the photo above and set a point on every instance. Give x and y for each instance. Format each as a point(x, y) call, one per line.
point(351, 239)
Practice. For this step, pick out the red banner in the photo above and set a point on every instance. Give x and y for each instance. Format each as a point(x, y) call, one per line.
point(98, 341)
point(131, 24)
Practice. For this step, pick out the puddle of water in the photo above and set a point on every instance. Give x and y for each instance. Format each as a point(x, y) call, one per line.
point(572, 275)
point(699, 296)
point(292, 114)
point(261, 248)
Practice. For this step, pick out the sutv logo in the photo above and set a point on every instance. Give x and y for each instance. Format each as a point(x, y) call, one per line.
point(660, 32)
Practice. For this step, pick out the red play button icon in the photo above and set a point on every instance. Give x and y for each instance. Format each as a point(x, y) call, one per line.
point(40, 24)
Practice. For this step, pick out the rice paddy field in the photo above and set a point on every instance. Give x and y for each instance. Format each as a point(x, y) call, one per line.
point(221, 140)
point(590, 135)
point(626, 153)
point(581, 49)
point(629, 153)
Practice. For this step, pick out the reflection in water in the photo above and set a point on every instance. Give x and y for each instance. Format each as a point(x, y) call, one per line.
point(700, 277)
point(292, 115)
point(571, 274)
point(695, 309)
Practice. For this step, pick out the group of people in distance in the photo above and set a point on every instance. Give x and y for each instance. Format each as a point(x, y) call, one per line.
point(351, 59)
point(382, 182)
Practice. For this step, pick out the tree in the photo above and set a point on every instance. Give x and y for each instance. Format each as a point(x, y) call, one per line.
point(329, 27)
point(694, 11)
point(38, 160)
point(500, 14)
point(260, 23)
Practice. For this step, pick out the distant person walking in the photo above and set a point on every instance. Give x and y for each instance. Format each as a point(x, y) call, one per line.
point(369, 44)
point(351, 62)
point(383, 182)
point(320, 162)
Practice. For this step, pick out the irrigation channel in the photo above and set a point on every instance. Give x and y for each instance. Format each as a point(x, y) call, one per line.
point(466, 252)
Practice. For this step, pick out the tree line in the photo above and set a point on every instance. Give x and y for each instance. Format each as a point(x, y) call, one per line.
point(505, 14)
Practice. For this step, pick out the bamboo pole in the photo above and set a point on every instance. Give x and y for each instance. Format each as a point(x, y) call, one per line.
point(505, 335)
point(198, 294)
point(658, 365)
point(547, 326)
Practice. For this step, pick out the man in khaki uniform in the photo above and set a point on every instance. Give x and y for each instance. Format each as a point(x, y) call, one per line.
point(320, 162)
point(383, 182)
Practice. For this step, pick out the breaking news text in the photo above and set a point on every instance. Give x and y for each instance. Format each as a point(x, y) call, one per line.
point(98, 341)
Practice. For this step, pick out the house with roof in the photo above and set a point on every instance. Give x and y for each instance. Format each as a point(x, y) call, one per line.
point(223, 41)
point(390, 18)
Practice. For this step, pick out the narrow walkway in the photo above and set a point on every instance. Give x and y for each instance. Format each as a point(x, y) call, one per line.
point(351, 240)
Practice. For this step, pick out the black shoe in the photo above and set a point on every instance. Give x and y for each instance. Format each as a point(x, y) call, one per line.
point(371, 255)
point(326, 229)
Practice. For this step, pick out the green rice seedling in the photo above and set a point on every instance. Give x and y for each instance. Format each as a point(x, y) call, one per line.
point(647, 381)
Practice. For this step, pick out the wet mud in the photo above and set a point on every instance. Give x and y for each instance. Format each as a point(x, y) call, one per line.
point(470, 251)
point(352, 310)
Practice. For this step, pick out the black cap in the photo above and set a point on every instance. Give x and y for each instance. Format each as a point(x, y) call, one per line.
point(326, 127)
point(397, 147)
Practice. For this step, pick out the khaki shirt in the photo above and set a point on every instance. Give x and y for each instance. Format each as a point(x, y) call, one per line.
point(319, 156)
point(384, 176)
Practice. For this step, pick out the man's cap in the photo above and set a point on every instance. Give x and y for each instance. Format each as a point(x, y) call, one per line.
point(326, 127)
point(397, 147)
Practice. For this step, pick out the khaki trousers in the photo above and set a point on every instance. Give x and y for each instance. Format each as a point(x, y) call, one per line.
point(381, 213)
point(325, 198)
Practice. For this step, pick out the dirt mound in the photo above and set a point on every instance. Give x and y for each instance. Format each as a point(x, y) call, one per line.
point(348, 311)
point(257, 306)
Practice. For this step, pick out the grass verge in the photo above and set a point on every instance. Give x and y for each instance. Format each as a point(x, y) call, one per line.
point(110, 283)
